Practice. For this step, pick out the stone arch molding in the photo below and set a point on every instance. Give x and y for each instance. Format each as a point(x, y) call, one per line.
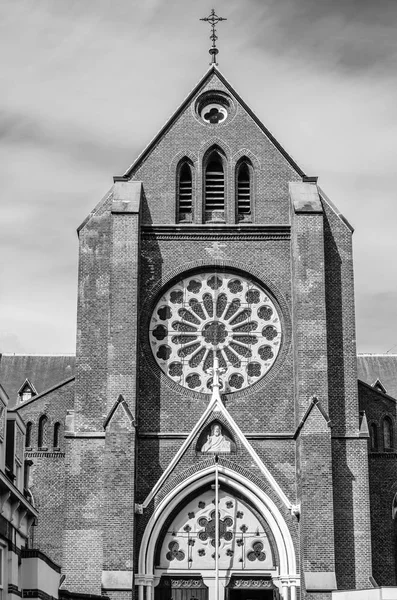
point(243, 486)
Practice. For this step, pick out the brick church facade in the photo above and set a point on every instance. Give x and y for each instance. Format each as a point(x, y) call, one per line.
point(213, 401)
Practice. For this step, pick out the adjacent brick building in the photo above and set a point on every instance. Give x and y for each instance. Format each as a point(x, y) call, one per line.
point(213, 401)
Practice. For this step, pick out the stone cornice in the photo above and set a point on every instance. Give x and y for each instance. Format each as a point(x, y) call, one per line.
point(217, 232)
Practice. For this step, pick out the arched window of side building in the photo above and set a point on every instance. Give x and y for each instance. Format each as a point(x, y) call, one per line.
point(388, 443)
point(42, 434)
point(28, 435)
point(373, 432)
point(57, 429)
point(184, 191)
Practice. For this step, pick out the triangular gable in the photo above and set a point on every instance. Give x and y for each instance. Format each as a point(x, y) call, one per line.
point(211, 71)
point(120, 411)
point(216, 407)
point(314, 402)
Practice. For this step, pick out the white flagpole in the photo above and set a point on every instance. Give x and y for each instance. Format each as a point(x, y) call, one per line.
point(216, 529)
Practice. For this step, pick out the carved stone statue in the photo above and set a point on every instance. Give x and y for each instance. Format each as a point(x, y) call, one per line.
point(216, 441)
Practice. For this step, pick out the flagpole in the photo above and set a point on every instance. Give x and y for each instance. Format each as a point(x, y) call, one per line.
point(216, 529)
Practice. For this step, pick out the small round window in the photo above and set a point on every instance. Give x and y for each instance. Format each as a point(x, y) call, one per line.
point(213, 107)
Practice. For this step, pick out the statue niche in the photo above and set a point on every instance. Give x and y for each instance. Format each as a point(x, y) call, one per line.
point(215, 440)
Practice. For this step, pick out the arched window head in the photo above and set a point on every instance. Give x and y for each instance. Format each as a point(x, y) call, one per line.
point(57, 429)
point(214, 186)
point(42, 437)
point(185, 192)
point(28, 435)
point(244, 191)
point(387, 434)
point(373, 432)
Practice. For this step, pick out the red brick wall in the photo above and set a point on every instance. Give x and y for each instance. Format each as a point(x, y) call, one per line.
point(383, 485)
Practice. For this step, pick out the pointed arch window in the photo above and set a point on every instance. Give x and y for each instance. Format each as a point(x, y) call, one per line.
point(57, 430)
point(244, 190)
point(28, 435)
point(387, 434)
point(185, 192)
point(214, 186)
point(373, 432)
point(42, 434)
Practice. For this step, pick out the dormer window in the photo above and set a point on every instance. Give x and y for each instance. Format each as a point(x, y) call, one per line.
point(243, 185)
point(185, 192)
point(379, 386)
point(26, 391)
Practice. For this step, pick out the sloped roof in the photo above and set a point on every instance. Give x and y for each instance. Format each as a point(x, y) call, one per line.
point(43, 371)
point(371, 367)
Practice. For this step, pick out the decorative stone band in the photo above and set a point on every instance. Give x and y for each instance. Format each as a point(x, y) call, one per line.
point(44, 455)
point(250, 582)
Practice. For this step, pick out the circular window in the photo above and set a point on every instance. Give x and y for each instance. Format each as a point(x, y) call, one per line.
point(213, 107)
point(215, 312)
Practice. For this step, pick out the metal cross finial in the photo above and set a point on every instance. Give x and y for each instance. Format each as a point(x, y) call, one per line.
point(215, 371)
point(213, 20)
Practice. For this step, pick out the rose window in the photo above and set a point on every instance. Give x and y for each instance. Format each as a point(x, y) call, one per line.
point(218, 313)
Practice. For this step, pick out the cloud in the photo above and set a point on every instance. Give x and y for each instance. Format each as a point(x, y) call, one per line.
point(86, 86)
point(349, 35)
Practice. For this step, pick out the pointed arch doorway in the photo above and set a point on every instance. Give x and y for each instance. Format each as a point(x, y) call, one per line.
point(256, 553)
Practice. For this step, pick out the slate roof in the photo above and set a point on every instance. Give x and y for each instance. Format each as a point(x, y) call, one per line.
point(46, 371)
point(371, 367)
point(43, 371)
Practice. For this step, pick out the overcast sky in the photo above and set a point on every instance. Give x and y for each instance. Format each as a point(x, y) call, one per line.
point(87, 83)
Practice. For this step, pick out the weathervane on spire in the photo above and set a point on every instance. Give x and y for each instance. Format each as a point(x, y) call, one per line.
point(213, 20)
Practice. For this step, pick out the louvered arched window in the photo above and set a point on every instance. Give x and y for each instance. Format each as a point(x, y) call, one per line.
point(387, 434)
point(185, 192)
point(42, 434)
point(373, 437)
point(244, 190)
point(214, 187)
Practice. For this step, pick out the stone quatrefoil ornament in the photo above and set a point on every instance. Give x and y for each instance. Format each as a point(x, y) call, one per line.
point(209, 529)
point(210, 313)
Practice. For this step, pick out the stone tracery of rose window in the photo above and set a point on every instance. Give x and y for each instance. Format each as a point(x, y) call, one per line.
point(215, 312)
